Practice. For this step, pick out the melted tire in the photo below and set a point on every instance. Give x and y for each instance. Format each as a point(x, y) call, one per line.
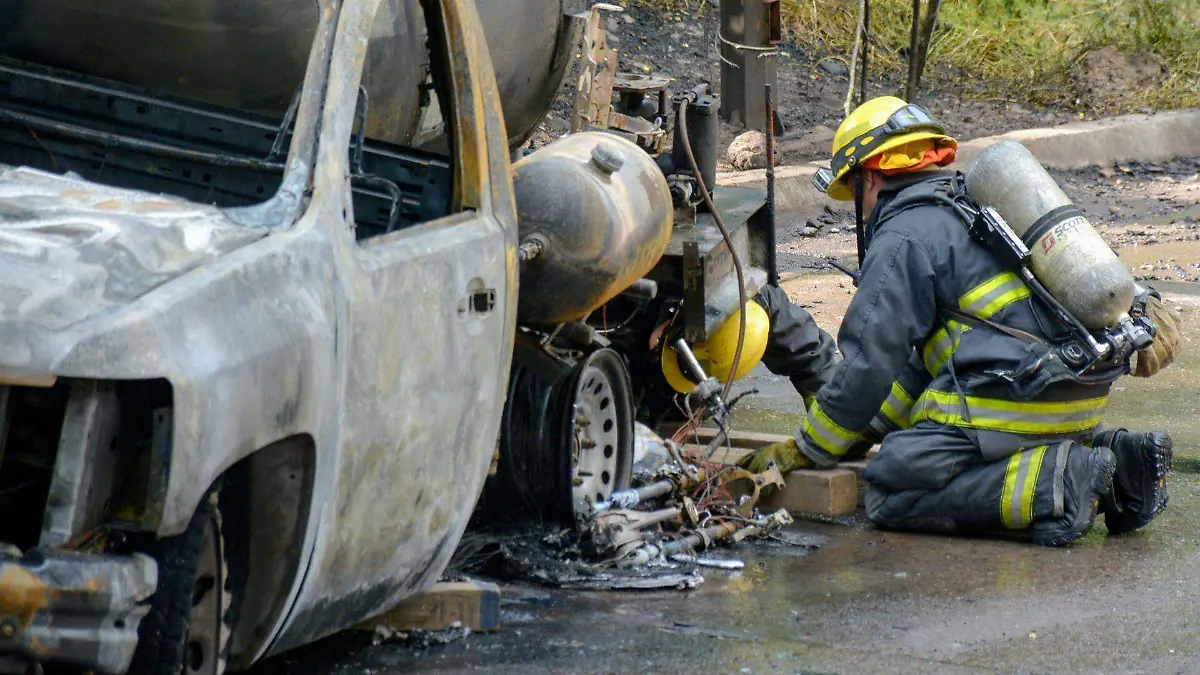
point(163, 635)
point(535, 473)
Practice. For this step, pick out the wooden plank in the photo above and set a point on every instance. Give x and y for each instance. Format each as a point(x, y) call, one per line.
point(474, 604)
point(724, 455)
point(738, 438)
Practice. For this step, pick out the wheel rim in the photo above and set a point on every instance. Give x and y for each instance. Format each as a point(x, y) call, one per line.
point(597, 436)
point(202, 649)
point(601, 428)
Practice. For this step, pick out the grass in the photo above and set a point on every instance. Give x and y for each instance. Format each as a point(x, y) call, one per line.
point(1022, 50)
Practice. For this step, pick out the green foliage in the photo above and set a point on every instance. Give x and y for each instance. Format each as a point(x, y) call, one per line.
point(1021, 50)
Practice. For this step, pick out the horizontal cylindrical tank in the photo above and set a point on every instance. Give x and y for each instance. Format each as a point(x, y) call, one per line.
point(1068, 255)
point(600, 214)
point(251, 54)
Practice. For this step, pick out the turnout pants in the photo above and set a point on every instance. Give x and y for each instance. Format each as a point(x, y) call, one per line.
point(944, 479)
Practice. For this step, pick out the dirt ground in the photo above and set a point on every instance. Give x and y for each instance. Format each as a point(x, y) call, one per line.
point(1149, 214)
point(811, 90)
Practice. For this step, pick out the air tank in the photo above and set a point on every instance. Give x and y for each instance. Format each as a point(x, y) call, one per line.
point(595, 215)
point(251, 54)
point(1068, 256)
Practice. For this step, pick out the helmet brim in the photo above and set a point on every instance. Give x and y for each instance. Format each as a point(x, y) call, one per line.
point(839, 188)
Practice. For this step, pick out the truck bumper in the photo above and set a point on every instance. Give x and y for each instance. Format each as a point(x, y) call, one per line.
point(73, 608)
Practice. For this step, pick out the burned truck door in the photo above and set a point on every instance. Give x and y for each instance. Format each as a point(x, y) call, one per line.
point(428, 266)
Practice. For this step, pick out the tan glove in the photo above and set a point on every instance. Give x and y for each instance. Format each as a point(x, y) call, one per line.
point(785, 454)
point(1165, 347)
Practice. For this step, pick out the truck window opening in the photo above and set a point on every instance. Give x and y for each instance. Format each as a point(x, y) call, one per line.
point(213, 128)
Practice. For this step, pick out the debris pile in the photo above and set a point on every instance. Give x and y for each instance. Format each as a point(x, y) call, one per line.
point(646, 537)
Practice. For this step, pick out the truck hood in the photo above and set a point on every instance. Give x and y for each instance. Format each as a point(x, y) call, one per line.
point(71, 250)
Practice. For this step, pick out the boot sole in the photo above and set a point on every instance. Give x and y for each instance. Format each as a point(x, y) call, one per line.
point(1163, 458)
point(1102, 480)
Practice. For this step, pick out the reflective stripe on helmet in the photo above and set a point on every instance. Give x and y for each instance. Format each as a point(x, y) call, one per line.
point(1021, 417)
point(1020, 481)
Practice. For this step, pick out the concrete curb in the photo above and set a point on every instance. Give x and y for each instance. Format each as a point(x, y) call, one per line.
point(1146, 138)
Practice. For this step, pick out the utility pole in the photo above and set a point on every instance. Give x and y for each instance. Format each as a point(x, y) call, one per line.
point(748, 41)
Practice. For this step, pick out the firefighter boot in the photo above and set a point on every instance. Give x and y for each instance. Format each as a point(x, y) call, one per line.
point(1079, 479)
point(1139, 491)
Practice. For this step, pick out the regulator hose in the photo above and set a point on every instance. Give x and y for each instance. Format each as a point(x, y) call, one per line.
point(737, 263)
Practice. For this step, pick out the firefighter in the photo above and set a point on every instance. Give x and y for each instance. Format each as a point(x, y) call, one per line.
point(963, 449)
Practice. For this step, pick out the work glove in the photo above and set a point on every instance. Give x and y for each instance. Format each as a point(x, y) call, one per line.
point(785, 454)
point(1165, 347)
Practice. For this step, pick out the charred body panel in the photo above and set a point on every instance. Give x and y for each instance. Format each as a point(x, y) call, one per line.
point(428, 305)
point(294, 318)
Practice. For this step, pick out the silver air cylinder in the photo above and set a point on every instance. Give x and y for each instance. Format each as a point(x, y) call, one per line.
point(597, 212)
point(1069, 257)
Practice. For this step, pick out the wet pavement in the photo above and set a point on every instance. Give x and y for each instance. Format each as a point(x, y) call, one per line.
point(864, 601)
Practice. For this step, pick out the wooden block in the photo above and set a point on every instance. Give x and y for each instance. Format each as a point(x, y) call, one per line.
point(827, 493)
point(858, 468)
point(474, 604)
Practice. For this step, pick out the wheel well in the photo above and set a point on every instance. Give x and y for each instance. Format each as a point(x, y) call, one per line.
point(269, 494)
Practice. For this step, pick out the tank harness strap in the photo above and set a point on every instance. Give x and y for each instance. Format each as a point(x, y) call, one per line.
point(952, 194)
point(978, 321)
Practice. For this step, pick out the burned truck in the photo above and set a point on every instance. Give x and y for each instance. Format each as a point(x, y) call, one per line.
point(260, 336)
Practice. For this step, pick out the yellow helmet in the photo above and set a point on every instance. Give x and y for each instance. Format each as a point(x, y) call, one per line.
point(881, 124)
point(716, 353)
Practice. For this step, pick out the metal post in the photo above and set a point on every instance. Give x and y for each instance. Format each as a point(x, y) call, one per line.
point(750, 32)
point(772, 263)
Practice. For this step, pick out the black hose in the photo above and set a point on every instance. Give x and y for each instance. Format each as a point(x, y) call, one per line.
point(859, 217)
point(737, 263)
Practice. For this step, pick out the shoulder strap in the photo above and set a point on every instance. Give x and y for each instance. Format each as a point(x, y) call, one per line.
point(977, 322)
